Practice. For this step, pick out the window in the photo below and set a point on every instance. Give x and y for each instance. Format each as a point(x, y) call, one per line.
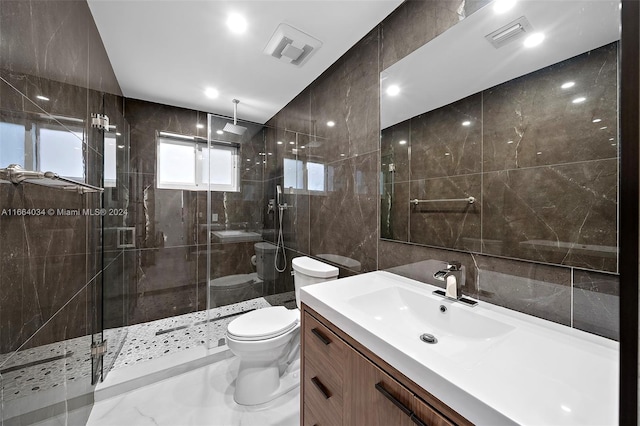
point(295, 178)
point(44, 147)
point(187, 163)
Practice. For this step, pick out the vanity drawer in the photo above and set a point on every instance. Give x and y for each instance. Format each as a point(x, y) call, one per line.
point(322, 396)
point(324, 348)
point(428, 415)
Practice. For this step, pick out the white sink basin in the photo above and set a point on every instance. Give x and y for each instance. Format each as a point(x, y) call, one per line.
point(421, 313)
point(492, 365)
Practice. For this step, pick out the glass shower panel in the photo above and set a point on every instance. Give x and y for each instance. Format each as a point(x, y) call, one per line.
point(118, 240)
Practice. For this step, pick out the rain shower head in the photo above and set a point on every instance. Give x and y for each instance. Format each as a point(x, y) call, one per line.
point(234, 128)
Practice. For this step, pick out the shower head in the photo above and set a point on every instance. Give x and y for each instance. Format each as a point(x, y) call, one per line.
point(234, 128)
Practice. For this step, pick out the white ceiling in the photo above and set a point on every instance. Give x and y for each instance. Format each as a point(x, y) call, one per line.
point(461, 62)
point(170, 51)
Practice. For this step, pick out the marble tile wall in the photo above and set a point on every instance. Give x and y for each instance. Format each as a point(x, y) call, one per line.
point(470, 160)
point(51, 265)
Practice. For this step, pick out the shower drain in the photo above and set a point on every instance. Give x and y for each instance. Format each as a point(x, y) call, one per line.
point(429, 338)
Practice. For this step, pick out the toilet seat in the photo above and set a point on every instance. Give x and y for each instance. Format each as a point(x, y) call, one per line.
point(262, 324)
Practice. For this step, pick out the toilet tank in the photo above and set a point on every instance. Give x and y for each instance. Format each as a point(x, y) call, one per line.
point(307, 271)
point(265, 261)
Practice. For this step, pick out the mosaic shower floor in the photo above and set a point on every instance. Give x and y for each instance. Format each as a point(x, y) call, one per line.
point(46, 367)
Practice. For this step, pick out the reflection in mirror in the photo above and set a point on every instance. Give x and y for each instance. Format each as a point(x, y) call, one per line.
point(40, 143)
point(530, 132)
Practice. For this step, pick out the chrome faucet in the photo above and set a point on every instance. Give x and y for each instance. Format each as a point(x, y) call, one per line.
point(453, 277)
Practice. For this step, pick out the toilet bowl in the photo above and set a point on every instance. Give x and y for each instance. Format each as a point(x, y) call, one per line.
point(236, 288)
point(267, 341)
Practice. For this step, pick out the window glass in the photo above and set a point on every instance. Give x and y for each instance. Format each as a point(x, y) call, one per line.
point(61, 152)
point(12, 144)
point(176, 163)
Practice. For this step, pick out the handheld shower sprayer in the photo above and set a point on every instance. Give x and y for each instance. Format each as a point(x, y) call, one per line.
point(281, 209)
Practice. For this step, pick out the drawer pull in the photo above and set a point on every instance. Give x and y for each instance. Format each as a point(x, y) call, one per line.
point(324, 339)
point(417, 420)
point(323, 390)
point(393, 399)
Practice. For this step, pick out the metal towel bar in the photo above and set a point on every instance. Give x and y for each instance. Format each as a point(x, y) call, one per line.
point(469, 200)
point(16, 174)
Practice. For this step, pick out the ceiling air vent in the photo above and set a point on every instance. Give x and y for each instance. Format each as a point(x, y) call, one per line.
point(291, 45)
point(510, 32)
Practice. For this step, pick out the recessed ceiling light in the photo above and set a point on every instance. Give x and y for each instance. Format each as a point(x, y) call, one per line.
point(393, 90)
point(236, 23)
point(220, 132)
point(596, 120)
point(342, 155)
point(120, 146)
point(447, 154)
point(42, 98)
point(579, 100)
point(331, 123)
point(303, 147)
point(509, 141)
point(212, 93)
point(200, 126)
point(603, 127)
point(501, 6)
point(466, 123)
point(610, 139)
point(279, 142)
point(292, 143)
point(248, 159)
point(118, 134)
point(539, 152)
point(568, 85)
point(402, 142)
point(533, 40)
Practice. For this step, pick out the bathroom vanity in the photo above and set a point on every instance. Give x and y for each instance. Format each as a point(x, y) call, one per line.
point(364, 361)
point(344, 383)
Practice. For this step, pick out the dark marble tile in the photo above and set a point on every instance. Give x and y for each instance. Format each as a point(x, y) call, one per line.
point(166, 283)
point(146, 119)
point(448, 140)
point(394, 211)
point(295, 116)
point(539, 290)
point(48, 39)
point(395, 143)
point(115, 293)
point(11, 98)
point(66, 101)
point(449, 224)
point(531, 120)
point(420, 263)
point(347, 94)
point(415, 23)
point(344, 220)
point(571, 222)
point(37, 288)
point(253, 158)
point(63, 233)
point(596, 303)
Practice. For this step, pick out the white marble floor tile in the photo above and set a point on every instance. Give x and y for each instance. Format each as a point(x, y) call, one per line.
point(200, 397)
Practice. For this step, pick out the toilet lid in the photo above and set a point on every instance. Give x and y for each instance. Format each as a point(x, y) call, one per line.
point(263, 323)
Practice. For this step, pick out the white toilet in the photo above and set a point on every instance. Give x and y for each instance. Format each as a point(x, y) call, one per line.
point(238, 287)
point(267, 341)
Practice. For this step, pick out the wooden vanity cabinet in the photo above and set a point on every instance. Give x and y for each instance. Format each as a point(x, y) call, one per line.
point(343, 384)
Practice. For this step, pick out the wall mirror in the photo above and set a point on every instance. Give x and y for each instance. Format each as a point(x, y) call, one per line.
point(500, 136)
